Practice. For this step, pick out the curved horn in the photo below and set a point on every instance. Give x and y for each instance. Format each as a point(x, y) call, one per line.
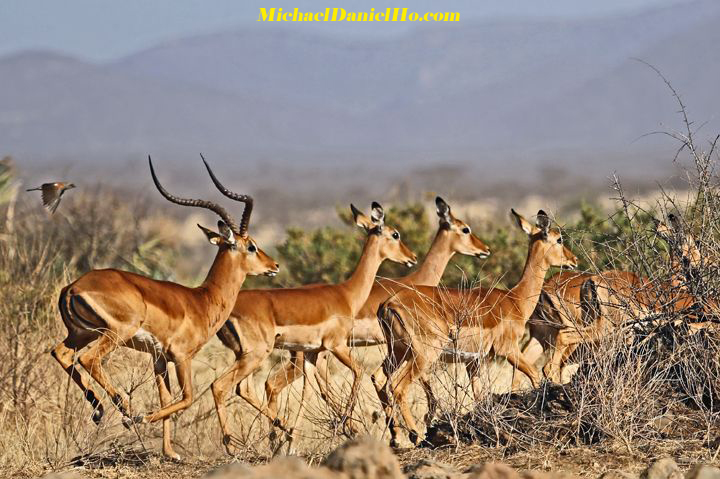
point(247, 199)
point(217, 209)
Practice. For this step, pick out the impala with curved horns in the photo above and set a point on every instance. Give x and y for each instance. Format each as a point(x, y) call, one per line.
point(308, 318)
point(425, 324)
point(104, 309)
point(454, 236)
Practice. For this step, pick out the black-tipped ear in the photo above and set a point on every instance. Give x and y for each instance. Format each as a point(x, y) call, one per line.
point(212, 236)
point(443, 210)
point(377, 214)
point(542, 221)
point(226, 232)
point(355, 212)
point(521, 222)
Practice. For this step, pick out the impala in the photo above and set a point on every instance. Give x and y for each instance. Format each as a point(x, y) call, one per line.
point(308, 319)
point(453, 236)
point(561, 323)
point(107, 308)
point(425, 324)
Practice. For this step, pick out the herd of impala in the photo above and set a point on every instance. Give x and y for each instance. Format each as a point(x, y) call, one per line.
point(419, 322)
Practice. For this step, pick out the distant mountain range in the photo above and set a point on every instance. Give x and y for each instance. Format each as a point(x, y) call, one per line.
point(505, 96)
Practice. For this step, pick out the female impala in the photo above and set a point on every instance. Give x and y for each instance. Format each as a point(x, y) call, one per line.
point(310, 319)
point(560, 324)
point(109, 308)
point(453, 236)
point(425, 324)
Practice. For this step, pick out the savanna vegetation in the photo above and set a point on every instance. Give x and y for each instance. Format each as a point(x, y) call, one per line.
point(650, 386)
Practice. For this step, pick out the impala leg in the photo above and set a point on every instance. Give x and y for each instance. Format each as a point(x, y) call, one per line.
point(565, 343)
point(342, 353)
point(162, 380)
point(519, 363)
point(303, 398)
point(431, 400)
point(322, 377)
point(64, 353)
point(531, 351)
point(282, 378)
point(244, 365)
point(403, 378)
point(91, 360)
point(184, 375)
point(473, 369)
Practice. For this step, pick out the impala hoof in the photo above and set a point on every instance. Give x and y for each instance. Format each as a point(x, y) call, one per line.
point(128, 421)
point(98, 414)
point(172, 456)
point(415, 438)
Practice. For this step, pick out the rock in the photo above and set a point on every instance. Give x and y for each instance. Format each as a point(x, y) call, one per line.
point(618, 475)
point(231, 470)
point(64, 475)
point(283, 467)
point(703, 472)
point(429, 469)
point(364, 458)
point(664, 468)
point(492, 470)
point(546, 475)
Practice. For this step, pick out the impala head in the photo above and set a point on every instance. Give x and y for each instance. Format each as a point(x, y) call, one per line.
point(682, 245)
point(462, 239)
point(231, 239)
point(391, 246)
point(548, 241)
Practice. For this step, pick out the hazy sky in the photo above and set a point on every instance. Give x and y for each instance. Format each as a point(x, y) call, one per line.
point(107, 29)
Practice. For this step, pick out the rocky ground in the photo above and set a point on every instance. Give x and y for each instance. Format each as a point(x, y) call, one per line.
point(369, 459)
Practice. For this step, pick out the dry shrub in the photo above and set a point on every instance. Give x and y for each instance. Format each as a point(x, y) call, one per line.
point(653, 380)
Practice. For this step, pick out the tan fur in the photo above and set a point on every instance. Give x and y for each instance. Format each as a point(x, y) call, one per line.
point(311, 318)
point(105, 309)
point(426, 323)
point(453, 236)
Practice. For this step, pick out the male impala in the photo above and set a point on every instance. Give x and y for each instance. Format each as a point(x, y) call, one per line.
point(310, 319)
point(109, 308)
point(425, 324)
point(453, 236)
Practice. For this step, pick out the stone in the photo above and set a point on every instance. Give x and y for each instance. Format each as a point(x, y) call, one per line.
point(492, 470)
point(618, 475)
point(364, 458)
point(64, 475)
point(429, 469)
point(665, 468)
point(702, 471)
point(284, 467)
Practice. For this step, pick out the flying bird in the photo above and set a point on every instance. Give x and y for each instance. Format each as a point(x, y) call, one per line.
point(51, 194)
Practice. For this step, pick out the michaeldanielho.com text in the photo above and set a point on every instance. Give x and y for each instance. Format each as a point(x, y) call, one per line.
point(342, 15)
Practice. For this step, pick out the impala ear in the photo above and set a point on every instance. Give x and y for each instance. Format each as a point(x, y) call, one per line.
point(360, 219)
point(543, 222)
point(212, 236)
point(663, 230)
point(524, 224)
point(226, 232)
point(377, 215)
point(675, 222)
point(443, 211)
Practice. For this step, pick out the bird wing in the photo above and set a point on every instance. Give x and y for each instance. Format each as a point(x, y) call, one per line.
point(51, 196)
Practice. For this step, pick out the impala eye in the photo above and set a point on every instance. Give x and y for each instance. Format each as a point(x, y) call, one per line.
point(252, 248)
point(560, 240)
point(466, 230)
point(396, 235)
